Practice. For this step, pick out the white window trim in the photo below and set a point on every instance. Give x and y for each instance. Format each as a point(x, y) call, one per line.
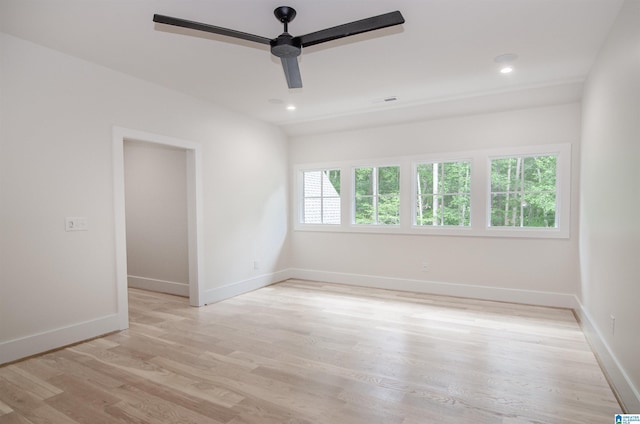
point(299, 197)
point(352, 218)
point(414, 189)
point(480, 194)
point(563, 192)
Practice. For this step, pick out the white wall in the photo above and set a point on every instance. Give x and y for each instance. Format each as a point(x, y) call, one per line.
point(57, 115)
point(609, 204)
point(156, 217)
point(528, 270)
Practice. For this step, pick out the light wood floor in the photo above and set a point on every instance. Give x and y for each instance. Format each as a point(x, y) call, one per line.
point(306, 352)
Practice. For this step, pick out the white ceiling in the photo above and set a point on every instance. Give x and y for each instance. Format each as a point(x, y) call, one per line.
point(439, 63)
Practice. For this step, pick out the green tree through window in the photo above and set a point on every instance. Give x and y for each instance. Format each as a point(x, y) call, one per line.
point(523, 191)
point(377, 195)
point(443, 194)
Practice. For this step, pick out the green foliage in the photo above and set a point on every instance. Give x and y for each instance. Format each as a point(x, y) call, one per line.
point(443, 193)
point(523, 191)
point(334, 178)
point(377, 195)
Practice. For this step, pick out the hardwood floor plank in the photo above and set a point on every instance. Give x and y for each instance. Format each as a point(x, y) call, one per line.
point(19, 400)
point(156, 409)
point(303, 352)
point(27, 381)
point(14, 418)
point(37, 366)
point(69, 405)
point(257, 411)
point(159, 375)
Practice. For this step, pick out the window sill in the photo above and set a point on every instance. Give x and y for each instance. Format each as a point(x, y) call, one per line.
point(533, 233)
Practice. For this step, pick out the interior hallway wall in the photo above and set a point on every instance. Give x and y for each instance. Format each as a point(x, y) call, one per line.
point(156, 217)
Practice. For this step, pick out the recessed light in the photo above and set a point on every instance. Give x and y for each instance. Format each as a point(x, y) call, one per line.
point(291, 107)
point(506, 62)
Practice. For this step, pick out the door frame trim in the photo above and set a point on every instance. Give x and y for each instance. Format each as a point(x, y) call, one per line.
point(194, 215)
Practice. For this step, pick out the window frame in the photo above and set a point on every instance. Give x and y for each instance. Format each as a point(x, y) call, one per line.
point(301, 203)
point(563, 192)
point(375, 195)
point(414, 191)
point(480, 162)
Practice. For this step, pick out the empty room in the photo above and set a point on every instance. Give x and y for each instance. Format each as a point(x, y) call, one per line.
point(243, 212)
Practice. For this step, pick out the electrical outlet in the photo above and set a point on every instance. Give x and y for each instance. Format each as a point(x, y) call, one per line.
point(425, 266)
point(256, 265)
point(613, 324)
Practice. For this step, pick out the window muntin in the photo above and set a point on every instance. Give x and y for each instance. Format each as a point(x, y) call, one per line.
point(377, 195)
point(321, 196)
point(524, 192)
point(443, 194)
point(480, 224)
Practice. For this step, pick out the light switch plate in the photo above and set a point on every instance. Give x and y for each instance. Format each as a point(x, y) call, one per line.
point(76, 223)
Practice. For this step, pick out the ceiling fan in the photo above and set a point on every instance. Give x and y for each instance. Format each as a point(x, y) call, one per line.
point(286, 46)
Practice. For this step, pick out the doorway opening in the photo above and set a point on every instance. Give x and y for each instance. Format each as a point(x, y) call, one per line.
point(194, 214)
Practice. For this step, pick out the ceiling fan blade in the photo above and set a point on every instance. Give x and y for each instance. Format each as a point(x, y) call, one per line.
point(168, 20)
point(352, 28)
point(292, 71)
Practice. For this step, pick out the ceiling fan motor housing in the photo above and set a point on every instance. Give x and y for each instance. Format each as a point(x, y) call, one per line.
point(286, 46)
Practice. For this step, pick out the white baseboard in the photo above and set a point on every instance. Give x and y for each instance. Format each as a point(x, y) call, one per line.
point(530, 297)
point(13, 350)
point(625, 390)
point(627, 394)
point(245, 286)
point(162, 286)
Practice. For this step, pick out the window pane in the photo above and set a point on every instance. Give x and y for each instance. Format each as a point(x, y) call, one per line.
point(425, 178)
point(504, 174)
point(456, 210)
point(437, 209)
point(389, 180)
point(456, 177)
point(524, 191)
point(377, 196)
point(331, 210)
point(424, 210)
point(540, 173)
point(364, 210)
point(505, 210)
point(539, 209)
point(312, 181)
point(318, 187)
point(389, 209)
point(364, 181)
point(312, 211)
point(331, 183)
point(443, 193)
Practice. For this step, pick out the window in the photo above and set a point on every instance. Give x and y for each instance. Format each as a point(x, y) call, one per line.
point(377, 195)
point(523, 191)
point(443, 194)
point(321, 197)
point(516, 191)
